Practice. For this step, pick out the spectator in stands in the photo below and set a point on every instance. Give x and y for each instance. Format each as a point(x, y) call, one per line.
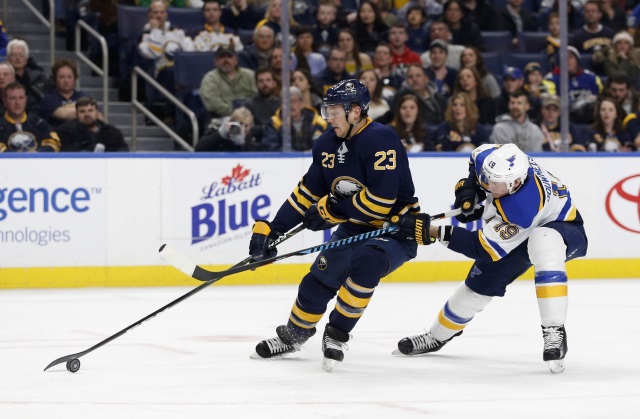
point(314, 62)
point(402, 55)
point(384, 8)
point(231, 133)
point(369, 27)
point(516, 128)
point(4, 40)
point(240, 14)
point(440, 30)
point(20, 131)
point(550, 127)
point(432, 104)
point(306, 126)
point(618, 88)
point(515, 19)
point(533, 81)
point(593, 36)
point(469, 82)
point(226, 83)
point(620, 57)
point(88, 133)
point(356, 60)
point(390, 79)
point(512, 81)
point(471, 57)
point(214, 34)
point(160, 40)
point(463, 31)
point(574, 12)
point(7, 76)
point(170, 3)
point(607, 133)
point(378, 107)
point(325, 30)
point(444, 77)
point(552, 45)
point(311, 93)
point(59, 104)
point(264, 104)
point(480, 12)
point(417, 29)
point(631, 123)
point(460, 130)
point(613, 16)
point(275, 63)
point(584, 87)
point(273, 16)
point(408, 124)
point(258, 55)
point(33, 79)
point(335, 70)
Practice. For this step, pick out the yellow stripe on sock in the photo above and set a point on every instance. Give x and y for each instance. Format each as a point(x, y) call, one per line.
point(347, 314)
point(351, 299)
point(448, 323)
point(303, 315)
point(552, 291)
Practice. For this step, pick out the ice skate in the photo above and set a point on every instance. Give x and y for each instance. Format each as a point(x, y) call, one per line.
point(290, 339)
point(421, 344)
point(334, 341)
point(555, 347)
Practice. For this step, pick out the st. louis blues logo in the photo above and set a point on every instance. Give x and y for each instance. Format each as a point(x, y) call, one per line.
point(511, 160)
point(475, 271)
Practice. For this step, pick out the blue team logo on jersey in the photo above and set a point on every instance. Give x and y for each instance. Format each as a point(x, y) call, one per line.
point(475, 271)
point(511, 160)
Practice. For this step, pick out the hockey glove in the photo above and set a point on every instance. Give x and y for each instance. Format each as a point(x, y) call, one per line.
point(467, 195)
point(263, 235)
point(412, 227)
point(319, 216)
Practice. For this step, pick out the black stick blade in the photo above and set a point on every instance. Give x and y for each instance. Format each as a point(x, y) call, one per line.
point(63, 359)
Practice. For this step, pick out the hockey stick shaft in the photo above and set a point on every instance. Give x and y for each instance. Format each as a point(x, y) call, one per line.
point(195, 271)
point(171, 304)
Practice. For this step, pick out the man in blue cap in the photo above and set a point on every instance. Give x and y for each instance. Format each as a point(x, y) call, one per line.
point(512, 81)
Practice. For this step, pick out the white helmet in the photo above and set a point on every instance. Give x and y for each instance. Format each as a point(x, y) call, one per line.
point(505, 164)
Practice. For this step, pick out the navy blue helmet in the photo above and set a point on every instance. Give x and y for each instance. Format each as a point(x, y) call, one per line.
point(346, 93)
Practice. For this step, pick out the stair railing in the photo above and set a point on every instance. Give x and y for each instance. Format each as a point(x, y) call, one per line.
point(104, 71)
point(48, 23)
point(136, 106)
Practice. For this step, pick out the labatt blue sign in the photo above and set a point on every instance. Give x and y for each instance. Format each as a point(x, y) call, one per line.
point(223, 213)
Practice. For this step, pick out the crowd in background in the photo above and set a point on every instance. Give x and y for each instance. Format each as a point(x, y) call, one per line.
point(425, 63)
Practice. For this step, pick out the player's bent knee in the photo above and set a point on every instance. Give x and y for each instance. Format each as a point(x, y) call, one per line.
point(466, 303)
point(369, 264)
point(547, 250)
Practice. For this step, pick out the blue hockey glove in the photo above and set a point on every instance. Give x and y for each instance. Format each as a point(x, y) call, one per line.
point(319, 215)
point(467, 195)
point(412, 227)
point(263, 235)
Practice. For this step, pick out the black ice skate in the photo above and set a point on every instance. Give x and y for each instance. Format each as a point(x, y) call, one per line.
point(555, 347)
point(421, 344)
point(290, 339)
point(334, 341)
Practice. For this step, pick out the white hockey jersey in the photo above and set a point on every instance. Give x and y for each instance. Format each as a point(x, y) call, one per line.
point(160, 45)
point(509, 221)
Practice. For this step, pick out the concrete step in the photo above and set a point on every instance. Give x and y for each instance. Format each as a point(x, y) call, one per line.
point(41, 41)
point(152, 144)
point(123, 119)
point(117, 107)
point(96, 82)
point(144, 131)
point(26, 28)
point(96, 93)
point(19, 15)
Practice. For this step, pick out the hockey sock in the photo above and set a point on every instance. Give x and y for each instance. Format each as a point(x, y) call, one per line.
point(311, 302)
point(458, 312)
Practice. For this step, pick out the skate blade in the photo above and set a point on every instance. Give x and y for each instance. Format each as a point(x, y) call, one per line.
point(327, 364)
point(255, 355)
point(397, 352)
point(556, 367)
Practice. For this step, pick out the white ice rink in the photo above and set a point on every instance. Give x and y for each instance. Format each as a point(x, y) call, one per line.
point(192, 361)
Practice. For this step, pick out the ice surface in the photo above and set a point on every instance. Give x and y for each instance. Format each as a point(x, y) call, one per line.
point(192, 361)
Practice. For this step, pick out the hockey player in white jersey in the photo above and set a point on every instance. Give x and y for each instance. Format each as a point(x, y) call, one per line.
point(529, 219)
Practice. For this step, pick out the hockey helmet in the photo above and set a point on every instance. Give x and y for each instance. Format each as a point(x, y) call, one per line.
point(346, 93)
point(505, 164)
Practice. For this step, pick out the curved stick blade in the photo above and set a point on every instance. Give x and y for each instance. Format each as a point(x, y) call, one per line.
point(63, 359)
point(176, 259)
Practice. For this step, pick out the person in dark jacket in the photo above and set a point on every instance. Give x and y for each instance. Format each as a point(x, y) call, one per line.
point(88, 133)
point(32, 78)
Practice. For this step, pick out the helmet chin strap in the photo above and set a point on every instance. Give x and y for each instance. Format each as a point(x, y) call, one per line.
point(346, 117)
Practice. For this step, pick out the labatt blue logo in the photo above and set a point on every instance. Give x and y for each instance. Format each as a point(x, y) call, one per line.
point(224, 215)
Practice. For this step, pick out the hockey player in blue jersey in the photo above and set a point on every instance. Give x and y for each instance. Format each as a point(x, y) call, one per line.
point(359, 177)
point(529, 219)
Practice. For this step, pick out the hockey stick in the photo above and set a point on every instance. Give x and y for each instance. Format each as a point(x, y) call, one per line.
point(73, 363)
point(201, 274)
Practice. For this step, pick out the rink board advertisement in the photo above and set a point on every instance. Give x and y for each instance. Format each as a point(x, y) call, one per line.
point(99, 221)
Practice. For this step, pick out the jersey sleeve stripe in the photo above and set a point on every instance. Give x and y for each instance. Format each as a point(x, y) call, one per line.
point(540, 192)
point(486, 245)
point(501, 211)
point(568, 212)
point(295, 205)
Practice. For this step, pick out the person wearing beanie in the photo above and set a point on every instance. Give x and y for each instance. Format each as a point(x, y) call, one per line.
point(622, 56)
